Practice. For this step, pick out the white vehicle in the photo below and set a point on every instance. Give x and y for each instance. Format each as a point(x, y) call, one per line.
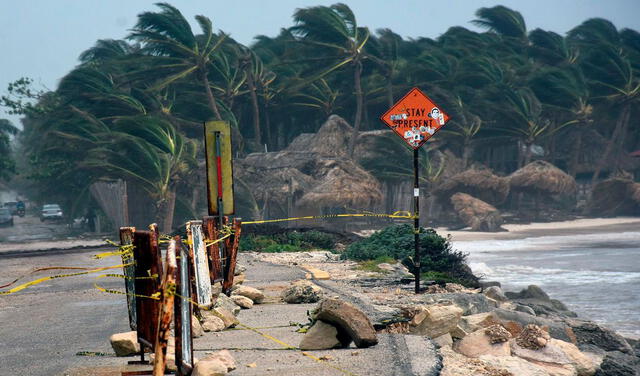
point(51, 211)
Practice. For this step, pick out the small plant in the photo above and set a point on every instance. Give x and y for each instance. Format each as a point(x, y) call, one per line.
point(372, 265)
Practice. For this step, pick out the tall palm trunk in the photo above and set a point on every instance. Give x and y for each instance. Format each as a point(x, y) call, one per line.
point(254, 105)
point(620, 124)
point(210, 98)
point(389, 91)
point(575, 158)
point(166, 209)
point(357, 73)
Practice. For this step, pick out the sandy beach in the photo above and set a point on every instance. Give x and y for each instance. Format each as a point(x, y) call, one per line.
point(537, 229)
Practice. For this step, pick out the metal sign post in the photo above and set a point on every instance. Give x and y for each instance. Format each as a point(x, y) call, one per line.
point(415, 118)
point(183, 312)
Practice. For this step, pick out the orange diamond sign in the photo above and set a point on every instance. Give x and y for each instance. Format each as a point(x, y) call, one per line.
point(415, 118)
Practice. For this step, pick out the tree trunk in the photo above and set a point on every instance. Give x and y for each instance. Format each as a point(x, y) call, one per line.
point(212, 102)
point(357, 72)
point(254, 105)
point(575, 158)
point(389, 92)
point(166, 210)
point(604, 159)
point(527, 153)
point(466, 153)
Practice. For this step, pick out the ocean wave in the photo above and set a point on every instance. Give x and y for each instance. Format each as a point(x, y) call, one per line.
point(544, 242)
point(524, 275)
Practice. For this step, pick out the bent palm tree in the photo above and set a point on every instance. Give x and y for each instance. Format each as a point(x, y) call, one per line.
point(334, 30)
point(168, 36)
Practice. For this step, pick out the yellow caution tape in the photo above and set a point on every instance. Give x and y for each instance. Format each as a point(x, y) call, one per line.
point(40, 280)
point(289, 347)
point(398, 214)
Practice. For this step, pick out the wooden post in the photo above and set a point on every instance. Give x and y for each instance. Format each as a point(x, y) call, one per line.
point(166, 311)
point(232, 255)
point(183, 312)
point(126, 238)
point(148, 264)
point(215, 263)
point(200, 262)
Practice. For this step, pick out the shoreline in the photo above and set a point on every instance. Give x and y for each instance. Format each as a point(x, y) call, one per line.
point(539, 229)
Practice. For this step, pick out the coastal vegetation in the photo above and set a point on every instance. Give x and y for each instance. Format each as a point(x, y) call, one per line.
point(133, 109)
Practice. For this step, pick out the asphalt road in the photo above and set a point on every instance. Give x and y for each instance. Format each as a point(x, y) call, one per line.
point(43, 327)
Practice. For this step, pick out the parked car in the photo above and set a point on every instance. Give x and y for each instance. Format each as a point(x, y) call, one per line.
point(12, 206)
point(6, 219)
point(51, 211)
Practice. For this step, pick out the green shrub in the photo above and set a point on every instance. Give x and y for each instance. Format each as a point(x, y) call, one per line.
point(397, 242)
point(372, 265)
point(287, 241)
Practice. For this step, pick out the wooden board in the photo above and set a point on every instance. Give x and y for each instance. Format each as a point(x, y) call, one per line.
point(219, 166)
point(200, 262)
point(166, 311)
point(126, 238)
point(183, 312)
point(148, 262)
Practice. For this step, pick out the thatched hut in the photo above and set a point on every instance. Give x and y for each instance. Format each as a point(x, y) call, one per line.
point(332, 139)
point(341, 183)
point(615, 196)
point(476, 213)
point(540, 177)
point(480, 183)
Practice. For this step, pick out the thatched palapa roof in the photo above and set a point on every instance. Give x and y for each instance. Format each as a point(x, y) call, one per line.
point(541, 176)
point(480, 183)
point(341, 183)
point(331, 139)
point(615, 196)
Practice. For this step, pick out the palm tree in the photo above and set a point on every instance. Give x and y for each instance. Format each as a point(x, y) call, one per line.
point(502, 20)
point(168, 36)
point(7, 165)
point(334, 31)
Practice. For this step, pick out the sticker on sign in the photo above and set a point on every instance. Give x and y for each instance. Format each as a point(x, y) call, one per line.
point(415, 118)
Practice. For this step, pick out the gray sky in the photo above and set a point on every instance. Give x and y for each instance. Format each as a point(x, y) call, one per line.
point(42, 39)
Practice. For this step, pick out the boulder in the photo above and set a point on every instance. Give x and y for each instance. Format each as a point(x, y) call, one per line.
point(495, 293)
point(302, 291)
point(435, 320)
point(242, 301)
point(525, 309)
point(588, 332)
point(321, 336)
point(239, 279)
point(224, 357)
point(348, 319)
point(531, 292)
point(213, 324)
point(209, 368)
point(551, 354)
point(583, 364)
point(443, 341)
point(170, 364)
point(470, 303)
point(616, 363)
point(250, 292)
point(227, 317)
point(476, 213)
point(458, 332)
point(196, 328)
point(514, 365)
point(478, 343)
point(227, 303)
point(125, 344)
point(240, 269)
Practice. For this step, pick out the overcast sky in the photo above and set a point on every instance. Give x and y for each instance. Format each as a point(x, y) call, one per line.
point(42, 39)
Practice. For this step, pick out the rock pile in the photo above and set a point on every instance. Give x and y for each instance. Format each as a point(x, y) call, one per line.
point(532, 337)
point(302, 291)
point(497, 334)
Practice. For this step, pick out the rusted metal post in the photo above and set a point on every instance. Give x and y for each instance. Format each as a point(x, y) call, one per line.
point(126, 239)
point(200, 262)
point(416, 221)
point(183, 312)
point(148, 271)
point(166, 311)
point(232, 255)
point(213, 250)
